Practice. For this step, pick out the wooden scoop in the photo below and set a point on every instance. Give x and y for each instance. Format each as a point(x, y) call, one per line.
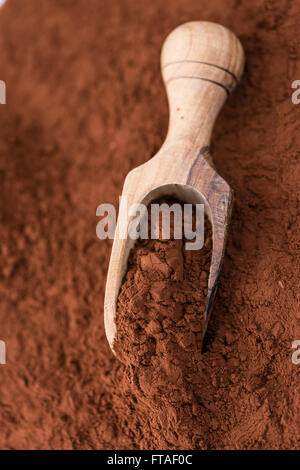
point(201, 63)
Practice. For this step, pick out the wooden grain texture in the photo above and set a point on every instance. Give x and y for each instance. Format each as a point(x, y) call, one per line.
point(201, 63)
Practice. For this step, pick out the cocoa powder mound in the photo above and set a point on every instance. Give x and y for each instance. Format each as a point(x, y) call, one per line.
point(160, 328)
point(85, 105)
point(162, 301)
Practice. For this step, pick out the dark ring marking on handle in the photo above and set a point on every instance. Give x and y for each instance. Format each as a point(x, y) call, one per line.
point(205, 63)
point(201, 78)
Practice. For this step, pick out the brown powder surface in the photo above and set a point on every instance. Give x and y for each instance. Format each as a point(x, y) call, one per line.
point(85, 104)
point(160, 310)
point(160, 327)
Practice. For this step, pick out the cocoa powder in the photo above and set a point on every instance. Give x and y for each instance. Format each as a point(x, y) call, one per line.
point(162, 301)
point(85, 105)
point(160, 327)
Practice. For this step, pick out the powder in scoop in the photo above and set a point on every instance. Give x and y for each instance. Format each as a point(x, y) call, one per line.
point(160, 324)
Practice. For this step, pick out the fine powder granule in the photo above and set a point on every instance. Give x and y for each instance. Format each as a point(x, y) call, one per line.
point(85, 105)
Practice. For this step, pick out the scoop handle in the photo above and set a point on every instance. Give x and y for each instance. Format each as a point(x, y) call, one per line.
point(201, 63)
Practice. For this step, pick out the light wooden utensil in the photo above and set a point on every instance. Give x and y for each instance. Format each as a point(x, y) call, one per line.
point(201, 63)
